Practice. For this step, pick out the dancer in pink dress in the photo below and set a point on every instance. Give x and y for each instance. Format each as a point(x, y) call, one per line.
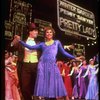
point(67, 79)
point(11, 79)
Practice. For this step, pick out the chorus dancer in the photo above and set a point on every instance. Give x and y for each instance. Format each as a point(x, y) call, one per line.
point(67, 79)
point(60, 66)
point(75, 72)
point(11, 79)
point(83, 81)
point(93, 88)
point(49, 82)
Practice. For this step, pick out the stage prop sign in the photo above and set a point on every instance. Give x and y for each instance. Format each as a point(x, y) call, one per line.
point(79, 50)
point(20, 13)
point(9, 30)
point(75, 20)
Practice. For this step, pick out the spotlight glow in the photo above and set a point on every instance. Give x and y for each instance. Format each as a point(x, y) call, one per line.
point(92, 44)
point(88, 44)
point(95, 42)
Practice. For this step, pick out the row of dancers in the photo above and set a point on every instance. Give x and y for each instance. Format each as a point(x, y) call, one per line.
point(80, 78)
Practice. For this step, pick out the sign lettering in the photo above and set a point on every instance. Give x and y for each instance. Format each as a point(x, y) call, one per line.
point(76, 20)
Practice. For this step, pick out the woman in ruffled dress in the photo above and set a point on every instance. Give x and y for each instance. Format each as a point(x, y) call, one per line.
point(83, 81)
point(93, 87)
point(11, 79)
point(67, 79)
point(75, 72)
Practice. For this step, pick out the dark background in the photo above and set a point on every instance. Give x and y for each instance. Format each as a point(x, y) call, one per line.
point(47, 10)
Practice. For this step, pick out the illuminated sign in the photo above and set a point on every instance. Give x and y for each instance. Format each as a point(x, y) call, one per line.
point(19, 18)
point(9, 27)
point(75, 20)
point(41, 24)
point(79, 50)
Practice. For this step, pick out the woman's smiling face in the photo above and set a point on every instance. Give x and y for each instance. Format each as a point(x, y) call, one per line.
point(49, 34)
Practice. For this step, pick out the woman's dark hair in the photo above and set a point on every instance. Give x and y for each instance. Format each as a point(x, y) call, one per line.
point(49, 28)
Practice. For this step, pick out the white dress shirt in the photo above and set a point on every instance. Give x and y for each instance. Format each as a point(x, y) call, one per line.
point(30, 55)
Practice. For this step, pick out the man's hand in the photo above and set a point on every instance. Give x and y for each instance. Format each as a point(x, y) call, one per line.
point(15, 40)
point(17, 37)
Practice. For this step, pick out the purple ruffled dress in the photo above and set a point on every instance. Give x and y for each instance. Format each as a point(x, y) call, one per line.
point(49, 82)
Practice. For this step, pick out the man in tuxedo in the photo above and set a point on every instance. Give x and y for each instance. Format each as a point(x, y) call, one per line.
point(27, 63)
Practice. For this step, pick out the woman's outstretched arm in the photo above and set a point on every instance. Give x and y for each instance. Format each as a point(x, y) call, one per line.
point(60, 48)
point(38, 46)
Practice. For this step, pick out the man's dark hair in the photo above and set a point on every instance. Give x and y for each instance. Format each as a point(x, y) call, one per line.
point(31, 27)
